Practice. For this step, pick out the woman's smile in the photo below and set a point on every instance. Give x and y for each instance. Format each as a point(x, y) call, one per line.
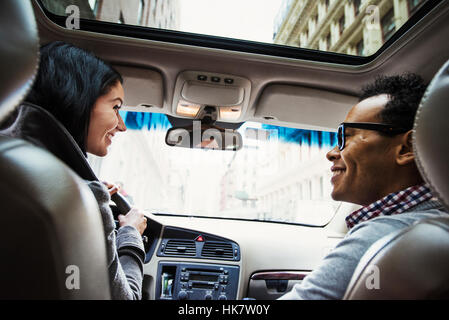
point(109, 137)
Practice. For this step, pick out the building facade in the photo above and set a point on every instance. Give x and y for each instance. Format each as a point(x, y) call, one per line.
point(355, 27)
point(164, 14)
point(148, 13)
point(285, 177)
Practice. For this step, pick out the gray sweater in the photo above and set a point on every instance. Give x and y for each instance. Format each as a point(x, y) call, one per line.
point(331, 278)
point(125, 251)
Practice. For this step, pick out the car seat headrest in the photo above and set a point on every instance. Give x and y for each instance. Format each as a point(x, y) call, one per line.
point(19, 53)
point(431, 135)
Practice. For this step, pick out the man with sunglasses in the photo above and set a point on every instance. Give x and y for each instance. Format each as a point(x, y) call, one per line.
point(373, 165)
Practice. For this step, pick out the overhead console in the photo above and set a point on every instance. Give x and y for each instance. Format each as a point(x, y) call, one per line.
point(196, 90)
point(182, 280)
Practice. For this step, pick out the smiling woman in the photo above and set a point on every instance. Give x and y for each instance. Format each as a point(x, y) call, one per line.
point(84, 93)
point(105, 121)
point(70, 96)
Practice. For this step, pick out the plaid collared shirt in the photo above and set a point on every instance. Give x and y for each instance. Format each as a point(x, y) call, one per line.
point(394, 203)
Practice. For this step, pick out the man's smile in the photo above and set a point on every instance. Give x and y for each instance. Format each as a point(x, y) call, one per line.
point(336, 172)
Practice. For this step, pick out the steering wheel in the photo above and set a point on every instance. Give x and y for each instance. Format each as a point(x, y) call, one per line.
point(122, 206)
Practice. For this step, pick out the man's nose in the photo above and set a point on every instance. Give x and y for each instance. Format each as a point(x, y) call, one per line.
point(333, 154)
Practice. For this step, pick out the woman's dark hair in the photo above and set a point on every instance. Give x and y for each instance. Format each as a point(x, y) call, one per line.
point(69, 82)
point(405, 93)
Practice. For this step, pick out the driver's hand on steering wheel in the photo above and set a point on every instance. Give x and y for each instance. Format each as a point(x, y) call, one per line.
point(134, 218)
point(112, 188)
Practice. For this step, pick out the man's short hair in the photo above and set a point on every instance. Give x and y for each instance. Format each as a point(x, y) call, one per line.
point(405, 93)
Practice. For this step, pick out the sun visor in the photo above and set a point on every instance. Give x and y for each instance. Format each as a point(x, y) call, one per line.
point(143, 87)
point(305, 107)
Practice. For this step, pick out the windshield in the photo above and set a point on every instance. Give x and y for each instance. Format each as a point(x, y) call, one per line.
point(352, 27)
point(280, 174)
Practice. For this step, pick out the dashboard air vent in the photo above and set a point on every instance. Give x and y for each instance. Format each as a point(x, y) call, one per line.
point(217, 250)
point(180, 248)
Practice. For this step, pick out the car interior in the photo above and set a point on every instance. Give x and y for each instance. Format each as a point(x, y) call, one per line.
point(204, 244)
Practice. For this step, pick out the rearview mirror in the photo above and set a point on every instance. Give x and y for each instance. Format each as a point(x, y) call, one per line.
point(204, 136)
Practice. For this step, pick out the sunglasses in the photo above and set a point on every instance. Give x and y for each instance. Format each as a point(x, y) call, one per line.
point(381, 127)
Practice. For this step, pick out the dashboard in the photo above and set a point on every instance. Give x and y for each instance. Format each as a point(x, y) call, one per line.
point(177, 279)
point(199, 258)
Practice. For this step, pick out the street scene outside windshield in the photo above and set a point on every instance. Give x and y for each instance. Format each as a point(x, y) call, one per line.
point(280, 174)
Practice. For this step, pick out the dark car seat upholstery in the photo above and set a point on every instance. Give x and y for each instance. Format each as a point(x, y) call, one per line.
point(51, 239)
point(414, 263)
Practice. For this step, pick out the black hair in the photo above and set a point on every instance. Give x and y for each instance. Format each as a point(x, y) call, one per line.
point(405, 93)
point(69, 82)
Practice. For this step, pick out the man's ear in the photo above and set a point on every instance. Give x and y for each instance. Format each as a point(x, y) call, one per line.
point(405, 153)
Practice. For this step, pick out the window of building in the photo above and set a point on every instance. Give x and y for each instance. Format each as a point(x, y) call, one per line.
point(140, 11)
point(413, 6)
point(341, 23)
point(328, 41)
point(314, 20)
point(321, 187)
point(121, 20)
point(357, 4)
point(388, 25)
point(94, 6)
point(360, 48)
point(310, 189)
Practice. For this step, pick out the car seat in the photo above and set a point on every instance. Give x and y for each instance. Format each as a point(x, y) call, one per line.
point(52, 239)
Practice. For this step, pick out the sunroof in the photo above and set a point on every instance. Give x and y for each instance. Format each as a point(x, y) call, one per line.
point(351, 27)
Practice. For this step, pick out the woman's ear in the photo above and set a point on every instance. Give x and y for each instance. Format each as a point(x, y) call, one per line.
point(405, 153)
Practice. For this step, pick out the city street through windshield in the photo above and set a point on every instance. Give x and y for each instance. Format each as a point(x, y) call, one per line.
point(280, 174)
